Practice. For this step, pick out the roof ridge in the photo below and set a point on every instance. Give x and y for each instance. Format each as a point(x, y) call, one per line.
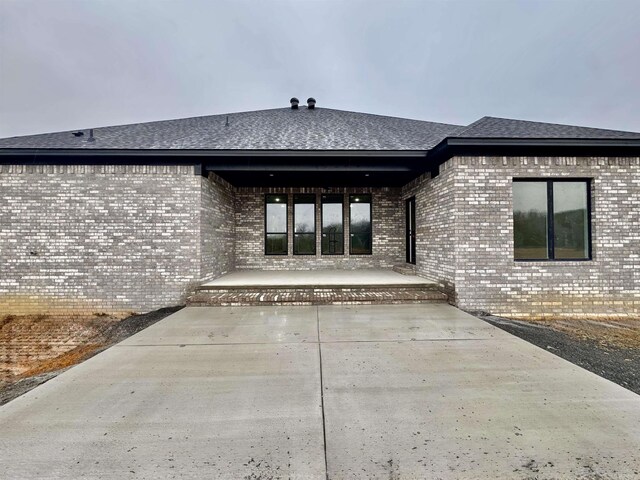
point(471, 125)
point(391, 116)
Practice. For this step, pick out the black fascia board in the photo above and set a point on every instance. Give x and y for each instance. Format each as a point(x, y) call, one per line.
point(212, 160)
point(555, 142)
point(197, 153)
point(237, 160)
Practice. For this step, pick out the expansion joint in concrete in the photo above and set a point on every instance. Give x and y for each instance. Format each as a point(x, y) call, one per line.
point(324, 426)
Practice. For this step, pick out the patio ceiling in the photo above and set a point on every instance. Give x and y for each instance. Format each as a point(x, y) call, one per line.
point(330, 170)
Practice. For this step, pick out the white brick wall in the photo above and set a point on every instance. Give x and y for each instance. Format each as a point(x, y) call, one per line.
point(107, 238)
point(135, 238)
point(475, 217)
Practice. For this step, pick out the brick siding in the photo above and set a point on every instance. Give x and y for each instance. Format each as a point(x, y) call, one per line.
point(217, 227)
point(465, 217)
point(82, 238)
point(435, 227)
point(134, 238)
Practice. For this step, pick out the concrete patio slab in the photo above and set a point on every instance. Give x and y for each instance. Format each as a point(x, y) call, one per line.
point(498, 408)
point(249, 278)
point(398, 391)
point(226, 325)
point(401, 322)
point(231, 411)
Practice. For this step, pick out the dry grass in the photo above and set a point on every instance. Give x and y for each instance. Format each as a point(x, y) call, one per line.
point(34, 344)
point(616, 333)
point(65, 360)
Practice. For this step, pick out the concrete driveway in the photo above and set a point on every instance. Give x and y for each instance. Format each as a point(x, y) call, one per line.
point(398, 391)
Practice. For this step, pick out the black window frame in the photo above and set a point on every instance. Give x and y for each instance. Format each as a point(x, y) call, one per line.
point(322, 203)
point(370, 252)
point(296, 200)
point(551, 217)
point(286, 224)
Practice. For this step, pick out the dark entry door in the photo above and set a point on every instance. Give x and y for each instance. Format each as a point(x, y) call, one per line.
point(411, 229)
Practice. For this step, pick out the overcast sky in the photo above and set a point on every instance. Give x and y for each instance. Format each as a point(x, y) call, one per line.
point(72, 64)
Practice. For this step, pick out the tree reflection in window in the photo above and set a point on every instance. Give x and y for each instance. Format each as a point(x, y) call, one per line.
point(332, 242)
point(276, 225)
point(360, 241)
point(304, 224)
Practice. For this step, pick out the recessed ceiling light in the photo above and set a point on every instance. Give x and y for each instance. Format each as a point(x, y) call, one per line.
point(366, 174)
point(271, 174)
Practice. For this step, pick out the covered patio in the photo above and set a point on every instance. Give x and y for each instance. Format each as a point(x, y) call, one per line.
point(316, 278)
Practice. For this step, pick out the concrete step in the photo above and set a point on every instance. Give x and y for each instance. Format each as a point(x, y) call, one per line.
point(321, 295)
point(405, 269)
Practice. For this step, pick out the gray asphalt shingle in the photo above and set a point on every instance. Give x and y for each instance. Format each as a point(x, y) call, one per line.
point(276, 129)
point(492, 127)
point(303, 129)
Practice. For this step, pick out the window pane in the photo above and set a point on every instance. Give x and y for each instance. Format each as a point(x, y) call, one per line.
point(332, 225)
point(305, 219)
point(360, 224)
point(570, 220)
point(277, 216)
point(304, 244)
point(530, 220)
point(360, 243)
point(304, 224)
point(276, 244)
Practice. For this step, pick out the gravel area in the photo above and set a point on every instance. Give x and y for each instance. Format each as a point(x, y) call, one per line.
point(609, 348)
point(112, 333)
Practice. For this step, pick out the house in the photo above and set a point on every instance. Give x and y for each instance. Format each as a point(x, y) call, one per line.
point(513, 217)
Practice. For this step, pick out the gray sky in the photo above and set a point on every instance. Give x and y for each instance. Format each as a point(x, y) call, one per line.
point(71, 64)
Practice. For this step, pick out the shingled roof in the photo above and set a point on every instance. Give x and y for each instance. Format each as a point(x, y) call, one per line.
point(284, 129)
point(492, 127)
point(276, 129)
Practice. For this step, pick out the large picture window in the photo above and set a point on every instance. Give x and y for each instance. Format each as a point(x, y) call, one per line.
point(360, 224)
point(304, 224)
point(275, 242)
point(332, 242)
point(551, 219)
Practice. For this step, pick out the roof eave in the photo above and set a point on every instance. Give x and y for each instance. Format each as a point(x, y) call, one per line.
point(474, 146)
point(537, 142)
point(94, 152)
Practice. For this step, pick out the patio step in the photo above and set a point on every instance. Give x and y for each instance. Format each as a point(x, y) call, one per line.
point(316, 295)
point(405, 269)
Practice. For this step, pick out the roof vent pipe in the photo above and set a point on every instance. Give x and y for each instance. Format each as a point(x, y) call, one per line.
point(91, 138)
point(311, 103)
point(294, 103)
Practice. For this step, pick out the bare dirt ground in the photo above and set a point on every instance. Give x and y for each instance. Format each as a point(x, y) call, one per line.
point(36, 348)
point(607, 347)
